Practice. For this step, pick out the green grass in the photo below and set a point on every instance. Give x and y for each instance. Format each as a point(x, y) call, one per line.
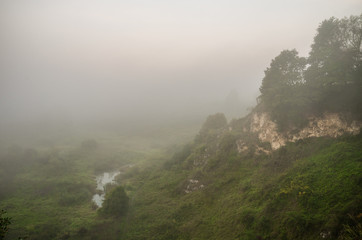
point(297, 192)
point(47, 191)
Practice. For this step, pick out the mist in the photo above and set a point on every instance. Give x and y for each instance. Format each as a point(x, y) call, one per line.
point(218, 119)
point(126, 63)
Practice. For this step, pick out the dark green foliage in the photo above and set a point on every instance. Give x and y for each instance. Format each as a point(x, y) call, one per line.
point(336, 52)
point(116, 202)
point(330, 80)
point(353, 229)
point(285, 71)
point(281, 92)
point(4, 224)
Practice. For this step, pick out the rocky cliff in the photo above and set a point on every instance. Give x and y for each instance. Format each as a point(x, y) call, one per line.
point(330, 124)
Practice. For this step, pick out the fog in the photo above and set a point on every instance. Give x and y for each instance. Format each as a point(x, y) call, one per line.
point(137, 62)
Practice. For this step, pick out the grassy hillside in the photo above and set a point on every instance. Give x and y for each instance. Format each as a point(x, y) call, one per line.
point(206, 190)
point(306, 190)
point(47, 191)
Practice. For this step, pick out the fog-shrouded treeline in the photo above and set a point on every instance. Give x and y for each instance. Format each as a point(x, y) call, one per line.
point(328, 80)
point(68, 65)
point(57, 128)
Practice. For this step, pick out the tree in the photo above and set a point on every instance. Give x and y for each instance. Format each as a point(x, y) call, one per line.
point(116, 202)
point(336, 52)
point(286, 70)
point(330, 80)
point(334, 75)
point(282, 89)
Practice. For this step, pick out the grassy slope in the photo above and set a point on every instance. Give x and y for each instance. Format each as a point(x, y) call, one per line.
point(298, 192)
point(47, 191)
point(49, 198)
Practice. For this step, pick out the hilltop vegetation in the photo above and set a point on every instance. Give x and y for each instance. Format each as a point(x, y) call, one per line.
point(329, 79)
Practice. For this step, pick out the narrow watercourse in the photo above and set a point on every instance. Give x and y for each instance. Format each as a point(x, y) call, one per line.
point(102, 180)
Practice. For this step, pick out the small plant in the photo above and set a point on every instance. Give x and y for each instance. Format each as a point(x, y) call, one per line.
point(352, 231)
point(4, 224)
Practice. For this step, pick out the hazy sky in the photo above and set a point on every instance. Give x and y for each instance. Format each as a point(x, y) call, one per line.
point(91, 58)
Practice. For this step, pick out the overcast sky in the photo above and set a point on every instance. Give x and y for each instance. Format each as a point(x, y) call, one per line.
point(91, 58)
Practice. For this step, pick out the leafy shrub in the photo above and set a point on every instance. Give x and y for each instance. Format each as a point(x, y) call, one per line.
point(353, 230)
point(4, 224)
point(116, 202)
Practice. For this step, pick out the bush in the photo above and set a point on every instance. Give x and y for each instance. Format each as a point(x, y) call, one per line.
point(116, 202)
point(353, 230)
point(4, 224)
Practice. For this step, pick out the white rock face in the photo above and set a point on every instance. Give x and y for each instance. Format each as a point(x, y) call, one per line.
point(331, 124)
point(267, 130)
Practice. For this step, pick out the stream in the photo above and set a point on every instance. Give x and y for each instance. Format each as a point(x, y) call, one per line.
point(102, 181)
